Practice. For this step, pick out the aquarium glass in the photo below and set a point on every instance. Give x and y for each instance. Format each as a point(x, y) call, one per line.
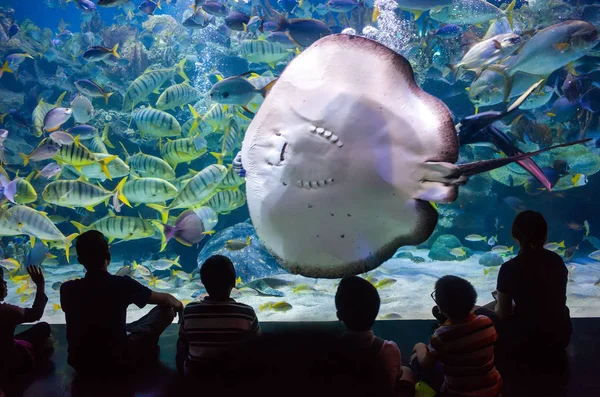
point(126, 117)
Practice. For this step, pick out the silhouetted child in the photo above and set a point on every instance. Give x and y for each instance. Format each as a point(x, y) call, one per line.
point(19, 353)
point(463, 345)
point(100, 341)
point(536, 280)
point(357, 303)
point(217, 325)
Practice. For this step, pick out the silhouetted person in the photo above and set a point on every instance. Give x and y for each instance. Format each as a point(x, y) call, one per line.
point(95, 306)
point(461, 351)
point(216, 326)
point(536, 280)
point(365, 357)
point(20, 353)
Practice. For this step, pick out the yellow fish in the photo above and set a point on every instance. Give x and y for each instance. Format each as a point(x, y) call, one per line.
point(10, 264)
point(282, 306)
point(386, 282)
point(302, 288)
point(458, 252)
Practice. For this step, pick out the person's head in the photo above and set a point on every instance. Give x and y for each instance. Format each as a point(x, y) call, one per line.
point(218, 276)
point(3, 285)
point(357, 303)
point(530, 230)
point(455, 297)
point(92, 250)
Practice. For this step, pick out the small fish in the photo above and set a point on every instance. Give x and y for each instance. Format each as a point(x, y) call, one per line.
point(554, 246)
point(56, 118)
point(63, 138)
point(579, 180)
point(5, 69)
point(236, 90)
point(302, 288)
point(141, 270)
point(181, 275)
point(41, 153)
point(281, 306)
point(56, 219)
point(586, 225)
point(458, 252)
point(386, 282)
point(56, 286)
point(236, 245)
point(89, 88)
point(125, 271)
point(82, 108)
point(595, 255)
point(165, 264)
point(475, 237)
point(99, 53)
point(148, 7)
point(490, 269)
point(448, 31)
point(493, 241)
point(83, 131)
point(10, 264)
point(503, 250)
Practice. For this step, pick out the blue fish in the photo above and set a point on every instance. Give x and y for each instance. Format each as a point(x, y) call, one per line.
point(448, 32)
point(533, 187)
point(148, 7)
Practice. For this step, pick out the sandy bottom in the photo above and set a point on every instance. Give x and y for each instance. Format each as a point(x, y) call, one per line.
point(407, 298)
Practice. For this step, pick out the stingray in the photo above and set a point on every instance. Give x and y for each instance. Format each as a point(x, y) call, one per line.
point(345, 156)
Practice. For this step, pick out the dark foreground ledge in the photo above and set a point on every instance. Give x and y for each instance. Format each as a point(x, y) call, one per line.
point(289, 348)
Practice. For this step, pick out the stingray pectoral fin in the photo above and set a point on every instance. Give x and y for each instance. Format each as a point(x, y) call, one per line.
point(436, 192)
point(479, 167)
point(536, 172)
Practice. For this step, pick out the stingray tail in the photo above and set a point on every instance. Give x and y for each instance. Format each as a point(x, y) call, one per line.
point(479, 167)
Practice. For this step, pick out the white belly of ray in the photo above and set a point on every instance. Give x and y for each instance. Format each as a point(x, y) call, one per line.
point(341, 156)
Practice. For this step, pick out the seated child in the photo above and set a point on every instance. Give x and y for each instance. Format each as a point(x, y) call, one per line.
point(216, 325)
point(357, 304)
point(22, 351)
point(463, 345)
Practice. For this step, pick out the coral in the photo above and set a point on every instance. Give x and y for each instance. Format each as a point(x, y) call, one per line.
point(440, 250)
point(491, 259)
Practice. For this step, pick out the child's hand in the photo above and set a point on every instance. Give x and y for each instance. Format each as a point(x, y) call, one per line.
point(419, 347)
point(37, 276)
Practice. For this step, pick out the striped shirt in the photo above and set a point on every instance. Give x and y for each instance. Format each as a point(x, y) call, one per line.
point(212, 327)
point(466, 352)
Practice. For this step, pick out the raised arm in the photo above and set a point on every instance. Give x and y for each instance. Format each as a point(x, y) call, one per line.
point(39, 304)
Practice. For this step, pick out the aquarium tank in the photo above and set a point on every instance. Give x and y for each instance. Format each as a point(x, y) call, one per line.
point(307, 140)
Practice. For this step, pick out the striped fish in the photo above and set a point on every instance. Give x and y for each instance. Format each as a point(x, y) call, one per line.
point(37, 225)
point(120, 227)
point(195, 123)
point(40, 112)
point(183, 150)
point(195, 191)
point(156, 122)
point(262, 51)
point(149, 190)
point(116, 168)
point(225, 201)
point(176, 96)
point(98, 144)
point(79, 156)
point(232, 180)
point(232, 139)
point(24, 191)
point(149, 82)
point(145, 165)
point(78, 193)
